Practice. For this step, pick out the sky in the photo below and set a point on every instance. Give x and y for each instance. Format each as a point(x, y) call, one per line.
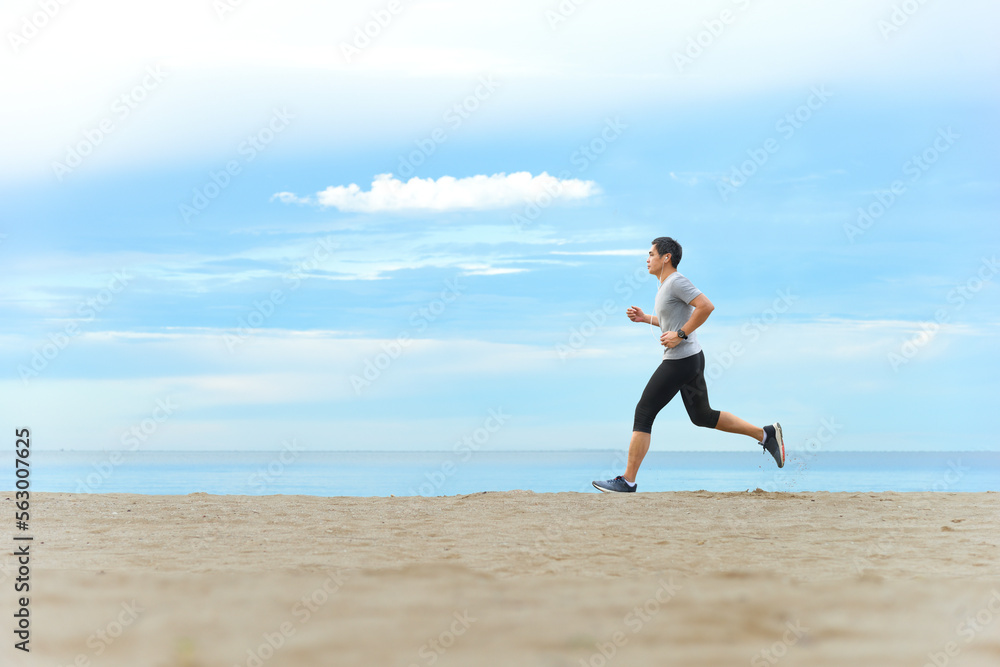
point(406, 225)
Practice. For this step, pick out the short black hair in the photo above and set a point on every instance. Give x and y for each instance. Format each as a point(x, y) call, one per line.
point(665, 244)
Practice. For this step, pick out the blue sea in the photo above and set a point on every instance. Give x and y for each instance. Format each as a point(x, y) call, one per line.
point(450, 473)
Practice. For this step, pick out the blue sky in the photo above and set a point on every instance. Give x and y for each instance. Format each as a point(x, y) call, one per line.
point(207, 276)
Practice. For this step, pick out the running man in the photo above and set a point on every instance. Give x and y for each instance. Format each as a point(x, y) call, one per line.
point(680, 309)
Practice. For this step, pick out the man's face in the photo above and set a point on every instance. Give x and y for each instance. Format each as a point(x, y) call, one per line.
point(654, 262)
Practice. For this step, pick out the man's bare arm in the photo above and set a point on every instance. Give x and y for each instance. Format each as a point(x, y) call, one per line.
point(702, 309)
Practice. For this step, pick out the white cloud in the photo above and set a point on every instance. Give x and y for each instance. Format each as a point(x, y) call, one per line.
point(614, 253)
point(487, 270)
point(448, 193)
point(289, 198)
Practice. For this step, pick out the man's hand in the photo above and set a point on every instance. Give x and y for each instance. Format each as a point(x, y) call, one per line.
point(670, 339)
point(636, 315)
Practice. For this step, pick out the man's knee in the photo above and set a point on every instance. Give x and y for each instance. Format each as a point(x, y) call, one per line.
point(643, 419)
point(642, 424)
point(706, 418)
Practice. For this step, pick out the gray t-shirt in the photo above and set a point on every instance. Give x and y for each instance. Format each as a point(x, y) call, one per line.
point(673, 311)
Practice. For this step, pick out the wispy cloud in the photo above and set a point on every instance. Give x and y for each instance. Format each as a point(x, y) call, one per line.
point(448, 193)
point(487, 270)
point(616, 253)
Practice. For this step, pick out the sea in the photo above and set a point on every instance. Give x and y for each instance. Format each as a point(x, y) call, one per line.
point(444, 473)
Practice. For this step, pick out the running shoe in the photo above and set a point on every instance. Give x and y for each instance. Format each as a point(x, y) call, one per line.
point(774, 444)
point(616, 485)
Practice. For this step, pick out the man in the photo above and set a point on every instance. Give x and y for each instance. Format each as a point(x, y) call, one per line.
point(680, 308)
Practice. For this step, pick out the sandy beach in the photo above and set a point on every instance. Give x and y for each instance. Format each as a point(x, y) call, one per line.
point(692, 578)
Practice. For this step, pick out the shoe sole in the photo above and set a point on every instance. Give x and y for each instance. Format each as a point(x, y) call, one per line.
point(781, 443)
point(603, 490)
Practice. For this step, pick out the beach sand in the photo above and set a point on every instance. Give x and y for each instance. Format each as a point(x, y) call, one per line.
point(515, 578)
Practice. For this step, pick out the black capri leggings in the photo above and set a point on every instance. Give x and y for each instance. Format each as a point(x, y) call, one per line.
point(686, 375)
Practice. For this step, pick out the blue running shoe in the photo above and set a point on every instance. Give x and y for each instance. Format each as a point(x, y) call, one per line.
point(616, 485)
point(774, 444)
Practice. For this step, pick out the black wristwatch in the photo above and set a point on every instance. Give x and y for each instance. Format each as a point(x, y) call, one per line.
point(681, 334)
